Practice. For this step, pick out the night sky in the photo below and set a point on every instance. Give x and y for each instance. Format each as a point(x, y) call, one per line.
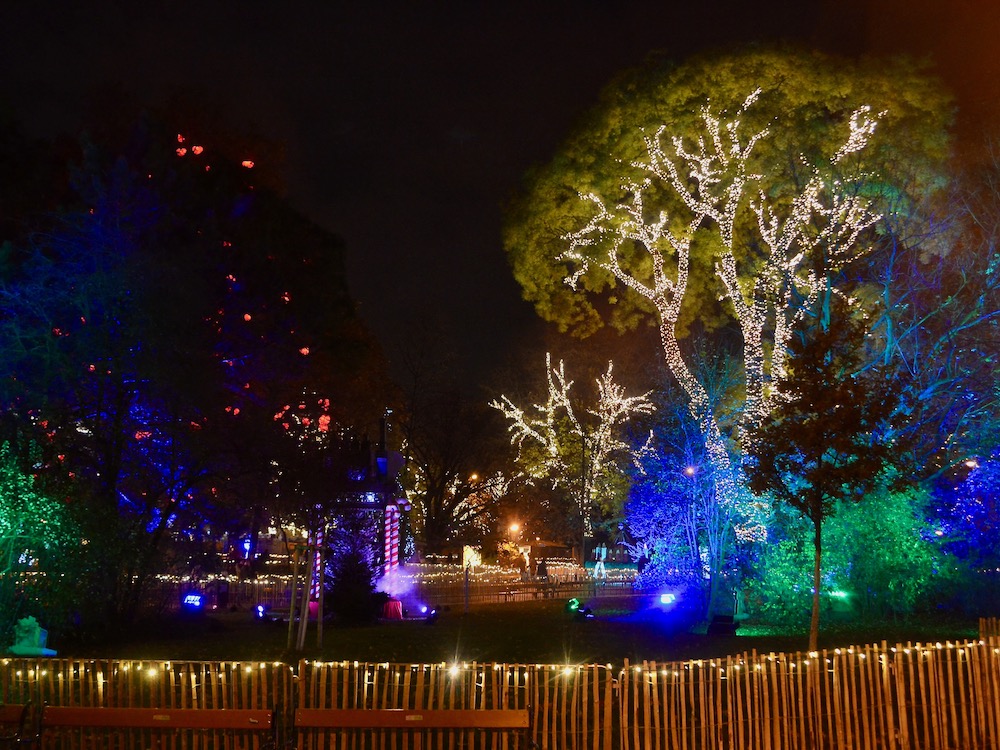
point(407, 125)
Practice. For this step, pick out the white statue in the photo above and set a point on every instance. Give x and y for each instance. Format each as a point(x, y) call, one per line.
point(30, 638)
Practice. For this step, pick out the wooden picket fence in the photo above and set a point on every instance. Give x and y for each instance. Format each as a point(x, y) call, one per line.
point(571, 707)
point(152, 684)
point(941, 696)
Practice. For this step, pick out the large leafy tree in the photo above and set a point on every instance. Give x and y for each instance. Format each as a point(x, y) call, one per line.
point(157, 330)
point(805, 103)
point(727, 197)
point(828, 440)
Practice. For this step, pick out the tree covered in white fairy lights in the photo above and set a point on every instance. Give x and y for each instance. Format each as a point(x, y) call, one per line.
point(579, 450)
point(801, 244)
point(727, 202)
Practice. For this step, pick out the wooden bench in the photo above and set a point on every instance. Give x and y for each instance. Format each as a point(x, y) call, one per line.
point(12, 720)
point(254, 724)
point(417, 720)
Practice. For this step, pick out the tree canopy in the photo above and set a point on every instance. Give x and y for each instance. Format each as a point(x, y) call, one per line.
point(806, 99)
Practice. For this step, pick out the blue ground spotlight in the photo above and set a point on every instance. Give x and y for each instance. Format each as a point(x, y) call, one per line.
point(667, 599)
point(193, 602)
point(427, 613)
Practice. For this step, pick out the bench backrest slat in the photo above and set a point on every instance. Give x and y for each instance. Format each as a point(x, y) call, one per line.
point(12, 713)
point(411, 718)
point(12, 718)
point(153, 718)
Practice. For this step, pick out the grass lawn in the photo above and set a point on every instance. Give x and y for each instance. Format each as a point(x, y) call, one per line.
point(540, 632)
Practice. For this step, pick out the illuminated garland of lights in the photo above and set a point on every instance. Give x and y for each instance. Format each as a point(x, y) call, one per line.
point(100, 671)
point(601, 444)
point(710, 177)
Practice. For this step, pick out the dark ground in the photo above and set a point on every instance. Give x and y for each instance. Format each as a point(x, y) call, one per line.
point(517, 633)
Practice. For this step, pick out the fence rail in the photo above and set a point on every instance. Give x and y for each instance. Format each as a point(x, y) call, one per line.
point(906, 697)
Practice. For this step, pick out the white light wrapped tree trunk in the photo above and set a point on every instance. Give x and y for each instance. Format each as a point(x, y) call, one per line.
point(800, 242)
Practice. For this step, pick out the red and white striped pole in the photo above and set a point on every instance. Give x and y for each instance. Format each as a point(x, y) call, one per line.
point(317, 567)
point(391, 538)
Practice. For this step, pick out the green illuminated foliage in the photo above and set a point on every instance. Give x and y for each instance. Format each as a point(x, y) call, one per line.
point(881, 560)
point(36, 532)
point(884, 551)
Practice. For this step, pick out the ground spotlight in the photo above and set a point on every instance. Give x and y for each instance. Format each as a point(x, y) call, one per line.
point(667, 599)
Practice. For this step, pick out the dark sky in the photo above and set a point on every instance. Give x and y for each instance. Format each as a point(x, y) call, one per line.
point(407, 124)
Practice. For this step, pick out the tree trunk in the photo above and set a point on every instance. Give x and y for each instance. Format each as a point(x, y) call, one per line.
point(814, 621)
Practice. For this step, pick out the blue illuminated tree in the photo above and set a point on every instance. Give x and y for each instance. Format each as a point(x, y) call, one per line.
point(157, 329)
point(672, 508)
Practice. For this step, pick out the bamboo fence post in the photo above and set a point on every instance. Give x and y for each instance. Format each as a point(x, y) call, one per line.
point(929, 682)
point(609, 685)
point(831, 687)
point(991, 696)
point(802, 739)
point(625, 702)
point(862, 700)
point(843, 675)
point(644, 680)
point(963, 684)
point(735, 702)
point(975, 718)
point(762, 700)
point(888, 700)
point(869, 698)
point(912, 679)
point(716, 686)
point(817, 669)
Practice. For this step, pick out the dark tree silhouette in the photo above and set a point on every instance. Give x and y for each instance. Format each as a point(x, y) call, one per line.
point(825, 442)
